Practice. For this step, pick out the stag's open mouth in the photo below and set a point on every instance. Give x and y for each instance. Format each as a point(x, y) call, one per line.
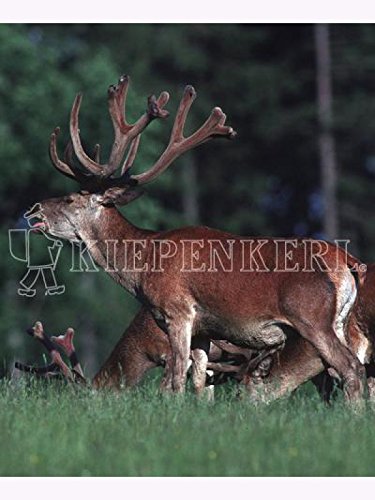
point(39, 225)
point(36, 218)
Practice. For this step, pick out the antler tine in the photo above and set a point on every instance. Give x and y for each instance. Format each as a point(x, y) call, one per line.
point(124, 133)
point(187, 100)
point(61, 166)
point(127, 133)
point(37, 331)
point(132, 153)
point(213, 127)
point(84, 159)
point(117, 95)
point(156, 107)
point(178, 144)
point(66, 343)
point(68, 153)
point(67, 166)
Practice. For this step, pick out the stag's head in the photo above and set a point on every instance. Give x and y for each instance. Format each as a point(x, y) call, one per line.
point(103, 186)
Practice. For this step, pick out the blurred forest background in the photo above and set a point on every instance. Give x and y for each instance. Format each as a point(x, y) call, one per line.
point(273, 81)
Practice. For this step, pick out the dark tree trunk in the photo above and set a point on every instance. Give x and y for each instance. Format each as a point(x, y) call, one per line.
point(326, 140)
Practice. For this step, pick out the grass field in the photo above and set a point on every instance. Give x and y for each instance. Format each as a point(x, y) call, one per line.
point(56, 430)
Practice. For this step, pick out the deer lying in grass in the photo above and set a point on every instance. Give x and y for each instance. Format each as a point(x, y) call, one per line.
point(197, 280)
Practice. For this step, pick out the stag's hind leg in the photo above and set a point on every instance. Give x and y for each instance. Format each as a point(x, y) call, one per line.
point(325, 325)
point(331, 341)
point(339, 357)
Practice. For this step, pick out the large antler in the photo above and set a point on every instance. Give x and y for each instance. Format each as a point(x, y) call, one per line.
point(178, 144)
point(94, 174)
point(37, 331)
point(67, 345)
point(125, 134)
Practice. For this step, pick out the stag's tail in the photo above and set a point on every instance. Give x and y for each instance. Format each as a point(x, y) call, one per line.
point(358, 269)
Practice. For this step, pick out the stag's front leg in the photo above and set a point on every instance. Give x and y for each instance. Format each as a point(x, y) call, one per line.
point(180, 333)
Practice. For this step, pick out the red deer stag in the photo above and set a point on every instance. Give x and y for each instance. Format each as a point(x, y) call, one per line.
point(198, 280)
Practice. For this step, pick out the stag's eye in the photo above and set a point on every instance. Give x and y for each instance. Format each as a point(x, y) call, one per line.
point(69, 199)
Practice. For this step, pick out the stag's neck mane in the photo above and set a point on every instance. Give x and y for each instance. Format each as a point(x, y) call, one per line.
point(109, 237)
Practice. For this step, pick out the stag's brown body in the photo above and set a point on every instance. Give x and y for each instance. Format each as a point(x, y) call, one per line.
point(252, 309)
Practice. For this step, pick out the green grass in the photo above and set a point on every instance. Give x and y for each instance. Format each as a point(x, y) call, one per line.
point(55, 430)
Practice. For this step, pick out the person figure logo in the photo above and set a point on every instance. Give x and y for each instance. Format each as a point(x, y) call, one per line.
point(41, 259)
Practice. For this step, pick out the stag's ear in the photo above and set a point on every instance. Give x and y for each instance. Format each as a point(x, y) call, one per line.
point(118, 196)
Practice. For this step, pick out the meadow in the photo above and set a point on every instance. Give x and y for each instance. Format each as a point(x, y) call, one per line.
point(53, 429)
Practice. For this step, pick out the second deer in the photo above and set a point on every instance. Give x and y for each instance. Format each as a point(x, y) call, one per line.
point(142, 347)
